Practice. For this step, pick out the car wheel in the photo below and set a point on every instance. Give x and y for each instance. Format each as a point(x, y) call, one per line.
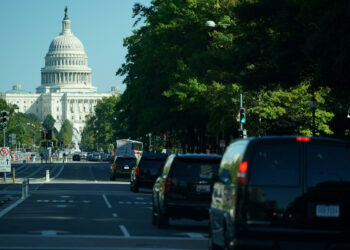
point(162, 220)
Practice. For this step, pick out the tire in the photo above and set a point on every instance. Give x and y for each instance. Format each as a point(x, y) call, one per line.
point(162, 220)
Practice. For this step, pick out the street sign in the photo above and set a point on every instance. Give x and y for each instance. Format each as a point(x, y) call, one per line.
point(5, 159)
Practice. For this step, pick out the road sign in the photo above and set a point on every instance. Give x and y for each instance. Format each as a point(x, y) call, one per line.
point(5, 159)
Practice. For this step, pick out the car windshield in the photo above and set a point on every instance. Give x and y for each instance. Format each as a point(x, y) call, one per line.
point(327, 163)
point(151, 163)
point(206, 169)
point(275, 164)
point(126, 161)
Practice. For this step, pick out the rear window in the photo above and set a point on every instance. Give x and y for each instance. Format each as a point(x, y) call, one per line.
point(206, 169)
point(275, 164)
point(151, 163)
point(327, 163)
point(126, 161)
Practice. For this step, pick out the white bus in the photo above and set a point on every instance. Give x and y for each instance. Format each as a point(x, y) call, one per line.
point(130, 148)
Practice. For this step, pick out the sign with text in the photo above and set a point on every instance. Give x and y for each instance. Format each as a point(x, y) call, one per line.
point(5, 159)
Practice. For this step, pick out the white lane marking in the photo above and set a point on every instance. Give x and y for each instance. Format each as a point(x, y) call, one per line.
point(114, 215)
point(48, 232)
point(125, 232)
point(12, 206)
point(58, 174)
point(107, 202)
point(65, 196)
point(139, 198)
point(192, 235)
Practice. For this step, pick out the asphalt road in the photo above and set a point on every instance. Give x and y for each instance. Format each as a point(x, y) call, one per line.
point(79, 208)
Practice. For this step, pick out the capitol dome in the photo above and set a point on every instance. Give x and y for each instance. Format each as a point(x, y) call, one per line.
point(66, 64)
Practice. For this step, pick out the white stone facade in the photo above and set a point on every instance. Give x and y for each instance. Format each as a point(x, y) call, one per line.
point(66, 90)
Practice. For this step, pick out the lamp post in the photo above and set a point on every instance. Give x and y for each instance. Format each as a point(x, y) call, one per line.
point(313, 106)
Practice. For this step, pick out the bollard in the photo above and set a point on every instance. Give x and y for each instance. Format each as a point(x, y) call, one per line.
point(13, 175)
point(25, 187)
point(47, 175)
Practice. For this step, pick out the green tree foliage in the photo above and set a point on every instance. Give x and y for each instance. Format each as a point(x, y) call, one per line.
point(66, 133)
point(183, 76)
point(49, 122)
point(101, 128)
point(27, 127)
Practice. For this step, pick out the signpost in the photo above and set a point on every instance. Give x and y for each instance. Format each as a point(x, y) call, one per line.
point(5, 159)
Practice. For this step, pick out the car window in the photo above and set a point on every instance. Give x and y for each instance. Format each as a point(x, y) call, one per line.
point(327, 163)
point(126, 161)
point(275, 164)
point(231, 159)
point(190, 168)
point(151, 163)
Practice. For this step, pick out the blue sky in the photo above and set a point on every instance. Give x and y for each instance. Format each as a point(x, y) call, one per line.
point(28, 27)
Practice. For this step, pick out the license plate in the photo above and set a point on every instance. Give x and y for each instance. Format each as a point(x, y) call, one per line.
point(203, 188)
point(327, 211)
point(126, 167)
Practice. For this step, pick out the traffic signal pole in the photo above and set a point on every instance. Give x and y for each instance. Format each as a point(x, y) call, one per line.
point(240, 107)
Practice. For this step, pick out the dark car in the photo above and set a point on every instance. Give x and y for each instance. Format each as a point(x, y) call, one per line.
point(76, 157)
point(278, 192)
point(146, 172)
point(183, 190)
point(121, 166)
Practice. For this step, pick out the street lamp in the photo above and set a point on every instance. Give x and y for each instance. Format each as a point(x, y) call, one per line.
point(212, 24)
point(313, 106)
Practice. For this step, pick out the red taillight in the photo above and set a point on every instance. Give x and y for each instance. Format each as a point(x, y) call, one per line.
point(242, 173)
point(167, 184)
point(302, 138)
point(137, 171)
point(115, 165)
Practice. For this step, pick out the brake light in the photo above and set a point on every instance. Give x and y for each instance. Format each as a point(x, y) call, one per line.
point(242, 173)
point(115, 165)
point(167, 184)
point(302, 138)
point(137, 171)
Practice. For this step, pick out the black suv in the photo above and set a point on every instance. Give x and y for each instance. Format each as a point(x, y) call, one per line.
point(146, 172)
point(282, 193)
point(121, 166)
point(183, 190)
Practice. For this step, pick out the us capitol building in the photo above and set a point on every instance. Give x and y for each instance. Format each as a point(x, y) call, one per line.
point(66, 90)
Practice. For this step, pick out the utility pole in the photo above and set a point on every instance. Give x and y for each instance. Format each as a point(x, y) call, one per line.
point(242, 118)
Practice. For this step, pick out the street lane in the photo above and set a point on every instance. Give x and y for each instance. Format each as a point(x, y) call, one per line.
point(81, 203)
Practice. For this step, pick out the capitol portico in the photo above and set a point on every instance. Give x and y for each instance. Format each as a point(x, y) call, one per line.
point(66, 90)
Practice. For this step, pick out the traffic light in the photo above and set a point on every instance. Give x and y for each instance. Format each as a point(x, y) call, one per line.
point(4, 118)
point(242, 115)
point(48, 134)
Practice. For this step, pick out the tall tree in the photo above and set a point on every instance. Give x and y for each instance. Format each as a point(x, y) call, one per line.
point(66, 133)
point(49, 122)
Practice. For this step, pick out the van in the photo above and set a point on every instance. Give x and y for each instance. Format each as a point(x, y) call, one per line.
point(282, 192)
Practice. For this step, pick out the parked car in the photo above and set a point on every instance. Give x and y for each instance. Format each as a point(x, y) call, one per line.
point(146, 172)
point(89, 156)
point(96, 156)
point(76, 157)
point(272, 191)
point(121, 166)
point(183, 190)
